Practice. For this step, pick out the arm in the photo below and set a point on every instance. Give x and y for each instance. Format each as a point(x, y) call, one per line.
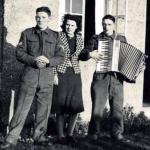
point(59, 56)
point(90, 51)
point(21, 52)
point(55, 76)
point(123, 39)
point(84, 55)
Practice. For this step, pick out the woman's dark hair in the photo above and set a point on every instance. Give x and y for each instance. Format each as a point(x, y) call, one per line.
point(75, 18)
point(110, 17)
point(44, 9)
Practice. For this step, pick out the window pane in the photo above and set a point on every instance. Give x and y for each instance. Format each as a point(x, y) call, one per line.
point(67, 7)
point(116, 7)
point(120, 25)
point(77, 6)
point(122, 7)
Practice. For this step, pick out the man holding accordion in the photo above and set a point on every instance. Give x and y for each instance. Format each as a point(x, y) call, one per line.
point(108, 83)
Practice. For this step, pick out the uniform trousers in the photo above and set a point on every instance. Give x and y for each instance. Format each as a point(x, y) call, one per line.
point(28, 92)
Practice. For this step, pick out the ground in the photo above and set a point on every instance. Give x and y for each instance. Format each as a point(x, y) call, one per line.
point(138, 141)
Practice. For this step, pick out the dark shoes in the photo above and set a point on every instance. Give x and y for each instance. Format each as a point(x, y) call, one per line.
point(7, 145)
point(71, 139)
point(66, 140)
point(61, 140)
point(93, 137)
point(120, 138)
point(43, 141)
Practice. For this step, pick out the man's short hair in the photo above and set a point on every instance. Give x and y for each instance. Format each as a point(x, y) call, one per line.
point(110, 17)
point(44, 9)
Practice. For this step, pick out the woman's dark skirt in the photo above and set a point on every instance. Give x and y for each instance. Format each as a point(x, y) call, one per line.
point(67, 97)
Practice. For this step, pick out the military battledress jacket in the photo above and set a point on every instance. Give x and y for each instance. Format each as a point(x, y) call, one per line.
point(34, 43)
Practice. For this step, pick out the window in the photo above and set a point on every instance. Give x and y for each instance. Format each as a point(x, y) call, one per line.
point(74, 7)
point(118, 9)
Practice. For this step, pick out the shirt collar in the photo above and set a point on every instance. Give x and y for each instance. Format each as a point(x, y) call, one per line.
point(37, 30)
point(104, 35)
point(71, 37)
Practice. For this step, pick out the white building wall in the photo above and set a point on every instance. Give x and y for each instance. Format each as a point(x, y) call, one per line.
point(135, 33)
point(135, 28)
point(20, 15)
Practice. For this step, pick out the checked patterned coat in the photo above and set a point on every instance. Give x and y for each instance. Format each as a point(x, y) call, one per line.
point(68, 57)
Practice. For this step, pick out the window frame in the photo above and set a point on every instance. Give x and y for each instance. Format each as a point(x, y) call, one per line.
point(115, 12)
point(62, 4)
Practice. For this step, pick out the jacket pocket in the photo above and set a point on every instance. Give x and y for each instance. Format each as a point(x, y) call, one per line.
point(32, 45)
point(50, 47)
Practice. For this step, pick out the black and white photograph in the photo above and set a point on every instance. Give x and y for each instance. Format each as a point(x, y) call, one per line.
point(74, 75)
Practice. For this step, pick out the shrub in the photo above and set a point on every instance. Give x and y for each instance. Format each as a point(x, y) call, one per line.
point(81, 128)
point(135, 122)
point(132, 122)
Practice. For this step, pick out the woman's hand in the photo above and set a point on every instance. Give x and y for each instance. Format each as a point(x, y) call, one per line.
point(55, 79)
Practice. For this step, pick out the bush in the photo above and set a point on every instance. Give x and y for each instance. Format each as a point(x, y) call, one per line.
point(81, 128)
point(135, 122)
point(132, 122)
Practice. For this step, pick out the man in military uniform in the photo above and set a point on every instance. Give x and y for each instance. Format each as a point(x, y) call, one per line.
point(39, 50)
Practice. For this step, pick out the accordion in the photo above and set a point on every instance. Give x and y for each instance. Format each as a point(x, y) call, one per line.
point(120, 57)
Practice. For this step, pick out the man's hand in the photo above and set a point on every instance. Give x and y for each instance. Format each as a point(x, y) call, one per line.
point(95, 55)
point(40, 64)
point(41, 61)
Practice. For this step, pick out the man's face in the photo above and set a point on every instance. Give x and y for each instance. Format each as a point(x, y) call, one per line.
point(71, 27)
point(42, 20)
point(108, 26)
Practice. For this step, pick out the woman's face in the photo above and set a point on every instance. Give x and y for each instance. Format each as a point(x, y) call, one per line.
point(71, 27)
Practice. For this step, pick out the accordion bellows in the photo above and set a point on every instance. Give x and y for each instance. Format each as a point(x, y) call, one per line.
point(120, 57)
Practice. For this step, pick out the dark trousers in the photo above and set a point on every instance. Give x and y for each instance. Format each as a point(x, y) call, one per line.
point(106, 86)
point(43, 105)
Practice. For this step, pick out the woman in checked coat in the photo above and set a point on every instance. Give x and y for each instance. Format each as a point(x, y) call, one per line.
point(68, 96)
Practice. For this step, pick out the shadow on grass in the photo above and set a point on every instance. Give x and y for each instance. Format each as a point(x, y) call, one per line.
point(105, 143)
point(136, 142)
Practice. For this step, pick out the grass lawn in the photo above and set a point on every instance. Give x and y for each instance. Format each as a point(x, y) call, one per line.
point(138, 141)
